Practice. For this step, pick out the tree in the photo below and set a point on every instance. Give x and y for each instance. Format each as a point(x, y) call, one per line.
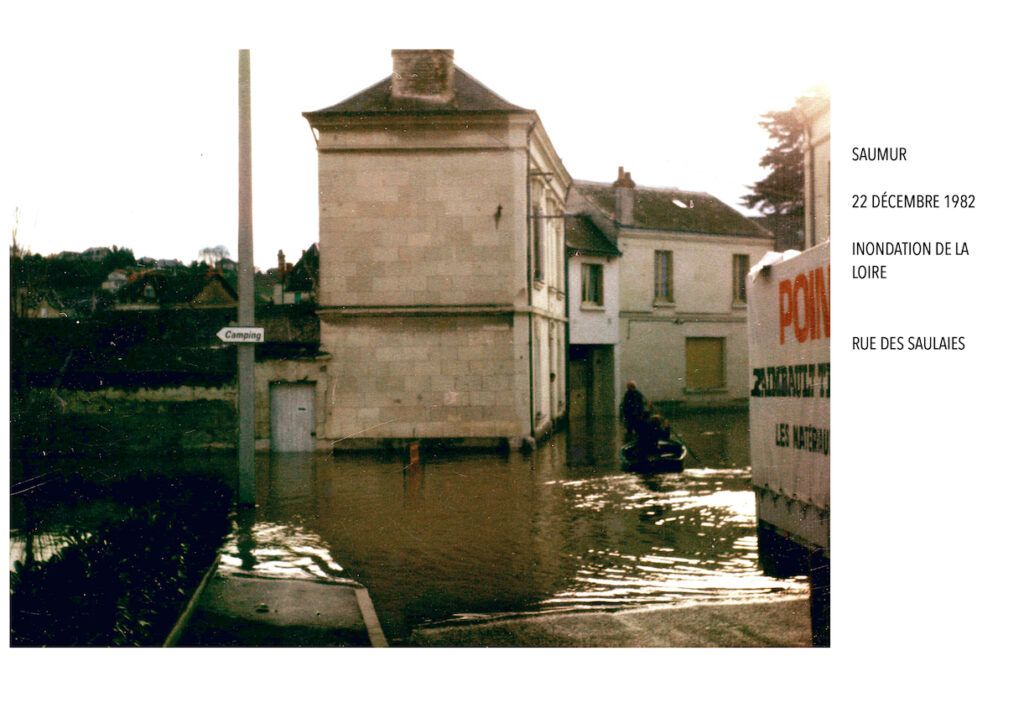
point(119, 258)
point(212, 255)
point(17, 251)
point(781, 192)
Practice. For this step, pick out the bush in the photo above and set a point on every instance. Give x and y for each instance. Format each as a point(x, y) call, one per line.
point(125, 583)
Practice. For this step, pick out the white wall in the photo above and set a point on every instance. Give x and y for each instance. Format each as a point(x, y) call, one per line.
point(652, 338)
point(702, 270)
point(593, 325)
point(653, 353)
point(817, 180)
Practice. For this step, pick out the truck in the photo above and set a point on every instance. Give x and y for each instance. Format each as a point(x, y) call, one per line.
point(788, 324)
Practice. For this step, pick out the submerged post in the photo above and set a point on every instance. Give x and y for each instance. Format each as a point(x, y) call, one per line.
point(246, 311)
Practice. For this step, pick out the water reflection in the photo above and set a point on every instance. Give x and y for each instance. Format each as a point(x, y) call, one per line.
point(38, 547)
point(39, 531)
point(690, 538)
point(69, 497)
point(479, 535)
point(276, 550)
point(279, 538)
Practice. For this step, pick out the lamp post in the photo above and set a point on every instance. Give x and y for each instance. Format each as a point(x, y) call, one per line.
point(246, 310)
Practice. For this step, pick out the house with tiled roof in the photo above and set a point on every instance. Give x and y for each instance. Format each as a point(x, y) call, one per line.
point(161, 289)
point(38, 304)
point(441, 264)
point(95, 254)
point(296, 284)
point(681, 288)
point(116, 279)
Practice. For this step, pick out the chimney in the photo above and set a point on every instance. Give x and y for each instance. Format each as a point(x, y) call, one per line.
point(282, 269)
point(423, 74)
point(625, 194)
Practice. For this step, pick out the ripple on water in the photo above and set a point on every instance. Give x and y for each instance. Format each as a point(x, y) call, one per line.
point(279, 550)
point(478, 536)
point(709, 517)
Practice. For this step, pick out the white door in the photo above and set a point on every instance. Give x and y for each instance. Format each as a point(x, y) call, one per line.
point(292, 421)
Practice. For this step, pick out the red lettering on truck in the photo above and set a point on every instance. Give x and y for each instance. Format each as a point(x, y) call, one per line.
point(804, 305)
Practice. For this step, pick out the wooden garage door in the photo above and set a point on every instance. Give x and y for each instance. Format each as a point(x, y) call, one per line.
point(705, 362)
point(579, 388)
point(292, 422)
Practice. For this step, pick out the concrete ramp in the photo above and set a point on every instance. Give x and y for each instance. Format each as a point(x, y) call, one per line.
point(754, 624)
point(246, 610)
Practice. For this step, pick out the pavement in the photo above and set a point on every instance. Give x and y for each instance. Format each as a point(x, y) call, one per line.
point(763, 624)
point(246, 610)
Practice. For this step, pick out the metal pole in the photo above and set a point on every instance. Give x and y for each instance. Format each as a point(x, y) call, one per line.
point(246, 310)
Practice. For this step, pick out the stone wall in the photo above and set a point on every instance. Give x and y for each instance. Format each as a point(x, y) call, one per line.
point(109, 421)
point(410, 228)
point(163, 419)
point(428, 304)
point(444, 377)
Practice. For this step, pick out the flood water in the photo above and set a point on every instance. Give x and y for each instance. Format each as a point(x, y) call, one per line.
point(479, 535)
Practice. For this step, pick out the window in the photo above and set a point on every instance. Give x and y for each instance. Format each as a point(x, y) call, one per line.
point(558, 248)
point(740, 268)
point(662, 276)
point(538, 244)
point(592, 282)
point(705, 363)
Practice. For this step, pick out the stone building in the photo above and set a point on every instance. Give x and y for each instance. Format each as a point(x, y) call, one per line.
point(593, 318)
point(682, 290)
point(442, 273)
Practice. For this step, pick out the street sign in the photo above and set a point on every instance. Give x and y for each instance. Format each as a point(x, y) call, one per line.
point(241, 335)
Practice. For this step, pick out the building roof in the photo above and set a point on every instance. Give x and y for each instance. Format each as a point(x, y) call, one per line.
point(306, 273)
point(171, 288)
point(662, 209)
point(584, 237)
point(469, 96)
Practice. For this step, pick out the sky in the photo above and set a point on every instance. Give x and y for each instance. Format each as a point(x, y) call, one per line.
point(120, 122)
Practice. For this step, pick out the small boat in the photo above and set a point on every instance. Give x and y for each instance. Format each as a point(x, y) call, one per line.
point(669, 457)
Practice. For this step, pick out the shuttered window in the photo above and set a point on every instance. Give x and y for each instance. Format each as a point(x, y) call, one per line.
point(705, 363)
